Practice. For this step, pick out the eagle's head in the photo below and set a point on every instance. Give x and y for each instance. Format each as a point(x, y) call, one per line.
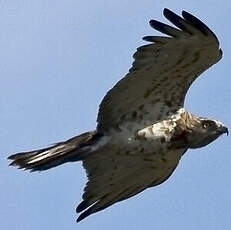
point(205, 131)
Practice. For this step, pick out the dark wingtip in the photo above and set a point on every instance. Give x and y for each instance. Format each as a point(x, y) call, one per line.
point(166, 11)
point(154, 23)
point(197, 23)
point(83, 205)
point(148, 38)
point(84, 215)
point(161, 27)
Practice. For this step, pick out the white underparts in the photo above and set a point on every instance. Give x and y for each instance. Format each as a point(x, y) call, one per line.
point(161, 130)
point(158, 131)
point(99, 144)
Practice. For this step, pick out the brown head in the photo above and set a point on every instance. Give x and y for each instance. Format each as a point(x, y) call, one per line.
point(203, 131)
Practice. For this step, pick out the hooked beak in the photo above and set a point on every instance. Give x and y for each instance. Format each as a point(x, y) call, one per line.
point(225, 130)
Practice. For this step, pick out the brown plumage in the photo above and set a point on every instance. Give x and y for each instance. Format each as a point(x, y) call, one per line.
point(143, 129)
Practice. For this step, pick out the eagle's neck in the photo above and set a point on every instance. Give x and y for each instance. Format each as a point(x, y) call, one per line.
point(173, 130)
point(185, 120)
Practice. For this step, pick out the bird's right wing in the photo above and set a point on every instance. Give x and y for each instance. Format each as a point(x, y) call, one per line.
point(162, 73)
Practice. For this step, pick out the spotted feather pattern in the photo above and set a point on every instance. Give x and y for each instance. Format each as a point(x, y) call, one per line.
point(161, 74)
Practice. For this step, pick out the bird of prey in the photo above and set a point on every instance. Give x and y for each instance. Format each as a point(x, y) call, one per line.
point(143, 129)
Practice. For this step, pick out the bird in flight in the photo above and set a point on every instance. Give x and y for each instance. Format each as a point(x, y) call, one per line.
point(142, 127)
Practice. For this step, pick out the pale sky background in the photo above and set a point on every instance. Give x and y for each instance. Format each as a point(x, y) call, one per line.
point(57, 61)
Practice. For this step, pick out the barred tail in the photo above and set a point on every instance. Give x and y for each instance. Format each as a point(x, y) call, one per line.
point(74, 149)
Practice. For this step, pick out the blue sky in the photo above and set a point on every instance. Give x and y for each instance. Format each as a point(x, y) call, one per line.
point(57, 61)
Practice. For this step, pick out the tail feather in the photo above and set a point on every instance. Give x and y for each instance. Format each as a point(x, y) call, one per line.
point(41, 159)
point(60, 153)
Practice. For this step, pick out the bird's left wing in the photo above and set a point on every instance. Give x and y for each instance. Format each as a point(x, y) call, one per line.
point(162, 72)
point(115, 175)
